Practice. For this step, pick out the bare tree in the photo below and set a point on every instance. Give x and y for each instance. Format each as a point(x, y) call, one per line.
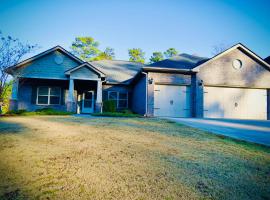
point(219, 48)
point(11, 52)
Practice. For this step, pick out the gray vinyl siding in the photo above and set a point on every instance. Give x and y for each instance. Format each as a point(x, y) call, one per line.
point(117, 88)
point(46, 67)
point(84, 73)
point(164, 78)
point(27, 91)
point(139, 96)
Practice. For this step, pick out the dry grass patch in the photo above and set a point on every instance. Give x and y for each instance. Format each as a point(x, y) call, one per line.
point(108, 158)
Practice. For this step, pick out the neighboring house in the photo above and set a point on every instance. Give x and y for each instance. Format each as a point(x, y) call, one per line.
point(233, 84)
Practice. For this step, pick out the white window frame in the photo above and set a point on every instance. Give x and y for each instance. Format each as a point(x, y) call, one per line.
point(49, 95)
point(117, 98)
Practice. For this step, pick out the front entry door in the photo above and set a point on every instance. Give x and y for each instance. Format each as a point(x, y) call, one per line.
point(88, 102)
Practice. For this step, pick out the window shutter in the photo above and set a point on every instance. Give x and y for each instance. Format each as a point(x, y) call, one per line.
point(34, 95)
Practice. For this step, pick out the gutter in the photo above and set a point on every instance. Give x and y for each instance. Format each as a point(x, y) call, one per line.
point(161, 69)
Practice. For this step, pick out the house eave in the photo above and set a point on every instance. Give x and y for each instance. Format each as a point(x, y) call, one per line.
point(170, 70)
point(116, 83)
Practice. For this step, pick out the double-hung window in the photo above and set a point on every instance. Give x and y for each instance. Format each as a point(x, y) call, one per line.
point(48, 95)
point(120, 98)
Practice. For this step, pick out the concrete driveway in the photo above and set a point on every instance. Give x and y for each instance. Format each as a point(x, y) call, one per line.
point(257, 131)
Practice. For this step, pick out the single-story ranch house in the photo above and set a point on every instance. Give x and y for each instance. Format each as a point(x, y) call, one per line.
point(232, 84)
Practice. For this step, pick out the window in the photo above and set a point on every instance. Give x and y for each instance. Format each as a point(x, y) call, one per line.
point(48, 95)
point(120, 98)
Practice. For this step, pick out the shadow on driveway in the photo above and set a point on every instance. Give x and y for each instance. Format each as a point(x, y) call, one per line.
point(256, 131)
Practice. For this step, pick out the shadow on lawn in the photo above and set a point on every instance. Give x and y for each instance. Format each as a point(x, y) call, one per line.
point(11, 127)
point(223, 176)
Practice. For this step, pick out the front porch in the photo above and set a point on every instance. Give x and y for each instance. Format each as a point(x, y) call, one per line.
point(84, 96)
point(73, 95)
point(78, 91)
point(87, 81)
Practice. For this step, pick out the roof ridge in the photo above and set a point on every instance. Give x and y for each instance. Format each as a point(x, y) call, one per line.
point(95, 61)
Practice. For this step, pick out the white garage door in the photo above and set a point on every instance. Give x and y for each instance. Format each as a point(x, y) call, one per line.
point(172, 101)
point(239, 103)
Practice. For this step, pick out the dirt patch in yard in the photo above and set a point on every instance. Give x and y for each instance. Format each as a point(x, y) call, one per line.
point(110, 158)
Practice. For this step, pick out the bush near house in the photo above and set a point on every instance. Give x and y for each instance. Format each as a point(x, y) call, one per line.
point(109, 106)
point(5, 98)
point(122, 113)
point(116, 114)
point(44, 111)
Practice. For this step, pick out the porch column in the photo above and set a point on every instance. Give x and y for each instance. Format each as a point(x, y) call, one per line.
point(13, 102)
point(99, 97)
point(70, 99)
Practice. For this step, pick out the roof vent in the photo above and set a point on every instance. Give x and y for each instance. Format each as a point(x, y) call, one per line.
point(237, 64)
point(58, 59)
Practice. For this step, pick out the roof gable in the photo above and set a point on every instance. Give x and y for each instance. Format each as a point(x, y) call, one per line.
point(42, 54)
point(84, 73)
point(242, 48)
point(51, 65)
point(87, 66)
point(235, 69)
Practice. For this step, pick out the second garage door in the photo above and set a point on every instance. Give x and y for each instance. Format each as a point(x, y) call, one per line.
point(172, 101)
point(239, 103)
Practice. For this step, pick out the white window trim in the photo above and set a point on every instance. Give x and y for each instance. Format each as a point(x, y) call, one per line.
point(49, 95)
point(117, 98)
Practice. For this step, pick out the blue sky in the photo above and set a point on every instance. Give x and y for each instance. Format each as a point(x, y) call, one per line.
point(192, 26)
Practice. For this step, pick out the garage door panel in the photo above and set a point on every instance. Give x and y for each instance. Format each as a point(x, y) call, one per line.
point(171, 100)
point(240, 103)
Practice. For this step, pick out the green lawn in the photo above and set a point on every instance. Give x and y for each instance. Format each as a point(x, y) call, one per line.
point(67, 157)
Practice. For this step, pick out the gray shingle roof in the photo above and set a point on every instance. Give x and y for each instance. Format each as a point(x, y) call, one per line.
point(267, 59)
point(181, 61)
point(118, 71)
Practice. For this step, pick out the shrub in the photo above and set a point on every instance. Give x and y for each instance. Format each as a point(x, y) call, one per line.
point(5, 98)
point(16, 112)
point(115, 114)
point(109, 106)
point(50, 111)
point(43, 111)
point(127, 111)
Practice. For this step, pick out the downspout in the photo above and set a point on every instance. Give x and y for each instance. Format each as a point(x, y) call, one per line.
point(146, 93)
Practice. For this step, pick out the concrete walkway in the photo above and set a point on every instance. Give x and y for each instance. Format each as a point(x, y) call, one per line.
point(256, 131)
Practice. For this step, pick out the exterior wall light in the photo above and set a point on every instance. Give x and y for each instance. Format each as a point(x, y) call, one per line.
point(150, 81)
